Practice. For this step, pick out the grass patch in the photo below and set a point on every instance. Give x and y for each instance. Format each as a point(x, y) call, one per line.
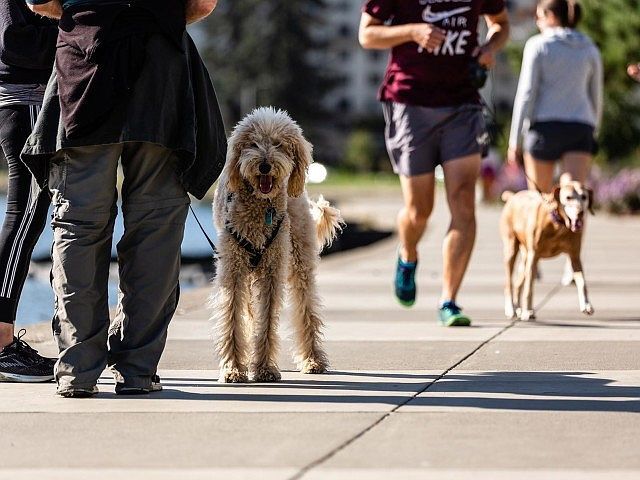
point(345, 182)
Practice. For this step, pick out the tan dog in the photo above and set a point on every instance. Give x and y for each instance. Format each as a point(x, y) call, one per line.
point(270, 236)
point(543, 226)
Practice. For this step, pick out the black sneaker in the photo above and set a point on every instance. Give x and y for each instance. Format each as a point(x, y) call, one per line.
point(155, 386)
point(21, 363)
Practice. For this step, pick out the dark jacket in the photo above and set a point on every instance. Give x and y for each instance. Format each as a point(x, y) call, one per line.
point(101, 51)
point(27, 44)
point(180, 113)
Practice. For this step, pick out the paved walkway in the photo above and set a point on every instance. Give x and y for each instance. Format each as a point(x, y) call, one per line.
point(406, 399)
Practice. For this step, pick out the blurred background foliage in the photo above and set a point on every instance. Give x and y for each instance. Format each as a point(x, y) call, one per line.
point(262, 53)
point(304, 56)
point(615, 27)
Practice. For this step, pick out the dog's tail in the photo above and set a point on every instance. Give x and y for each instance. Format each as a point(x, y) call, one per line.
point(506, 195)
point(328, 221)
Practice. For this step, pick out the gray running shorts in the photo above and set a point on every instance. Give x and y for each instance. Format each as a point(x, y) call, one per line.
point(420, 138)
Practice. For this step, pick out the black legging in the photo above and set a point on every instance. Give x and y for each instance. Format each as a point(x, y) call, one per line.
point(27, 208)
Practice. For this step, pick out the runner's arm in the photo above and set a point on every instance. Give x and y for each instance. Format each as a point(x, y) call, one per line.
point(497, 38)
point(46, 8)
point(374, 34)
point(199, 9)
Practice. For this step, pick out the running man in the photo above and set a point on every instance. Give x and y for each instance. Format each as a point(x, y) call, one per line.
point(433, 117)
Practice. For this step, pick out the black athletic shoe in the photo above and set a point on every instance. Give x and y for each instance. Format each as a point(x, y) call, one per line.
point(21, 363)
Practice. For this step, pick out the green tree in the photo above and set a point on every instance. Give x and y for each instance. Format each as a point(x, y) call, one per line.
point(615, 27)
point(361, 152)
point(265, 52)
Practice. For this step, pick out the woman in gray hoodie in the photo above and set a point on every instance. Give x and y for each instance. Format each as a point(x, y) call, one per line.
point(558, 106)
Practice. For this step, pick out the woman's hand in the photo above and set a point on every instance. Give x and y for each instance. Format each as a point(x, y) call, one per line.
point(634, 71)
point(486, 56)
point(514, 156)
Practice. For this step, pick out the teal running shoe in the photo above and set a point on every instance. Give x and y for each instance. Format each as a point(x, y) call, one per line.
point(405, 283)
point(451, 315)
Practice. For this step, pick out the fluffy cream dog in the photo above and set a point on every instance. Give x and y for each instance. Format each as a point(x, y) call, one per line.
point(269, 234)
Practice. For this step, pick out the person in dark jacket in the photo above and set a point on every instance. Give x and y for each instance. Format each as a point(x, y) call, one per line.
point(129, 87)
point(27, 47)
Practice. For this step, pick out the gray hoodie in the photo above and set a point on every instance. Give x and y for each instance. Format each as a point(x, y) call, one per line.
point(561, 80)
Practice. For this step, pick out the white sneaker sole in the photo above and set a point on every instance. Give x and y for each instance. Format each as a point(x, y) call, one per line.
point(14, 377)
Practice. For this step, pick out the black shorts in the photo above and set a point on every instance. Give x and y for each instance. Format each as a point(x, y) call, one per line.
point(551, 140)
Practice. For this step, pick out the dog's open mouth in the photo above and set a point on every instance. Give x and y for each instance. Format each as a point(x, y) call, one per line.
point(265, 183)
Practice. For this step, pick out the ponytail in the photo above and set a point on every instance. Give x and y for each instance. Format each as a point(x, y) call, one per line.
point(568, 12)
point(571, 13)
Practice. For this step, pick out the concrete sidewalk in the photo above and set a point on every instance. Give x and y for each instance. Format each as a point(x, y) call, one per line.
point(406, 399)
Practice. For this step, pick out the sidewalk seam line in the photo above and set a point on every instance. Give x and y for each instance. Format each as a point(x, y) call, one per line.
point(316, 463)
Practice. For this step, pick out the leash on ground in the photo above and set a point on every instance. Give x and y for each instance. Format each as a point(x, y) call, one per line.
point(211, 244)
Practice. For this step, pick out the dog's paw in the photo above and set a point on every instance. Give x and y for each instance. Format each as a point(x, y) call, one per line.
point(527, 315)
point(266, 374)
point(588, 309)
point(509, 311)
point(233, 375)
point(312, 366)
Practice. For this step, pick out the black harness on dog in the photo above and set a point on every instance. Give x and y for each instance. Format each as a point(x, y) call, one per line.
point(255, 254)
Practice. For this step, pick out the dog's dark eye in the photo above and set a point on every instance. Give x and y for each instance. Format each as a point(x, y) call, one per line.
point(583, 196)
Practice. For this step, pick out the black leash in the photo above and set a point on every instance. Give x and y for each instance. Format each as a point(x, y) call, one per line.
point(213, 246)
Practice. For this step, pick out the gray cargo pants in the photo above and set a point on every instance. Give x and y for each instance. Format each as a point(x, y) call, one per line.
point(154, 205)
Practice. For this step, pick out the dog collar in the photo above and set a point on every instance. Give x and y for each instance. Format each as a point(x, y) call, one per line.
point(557, 218)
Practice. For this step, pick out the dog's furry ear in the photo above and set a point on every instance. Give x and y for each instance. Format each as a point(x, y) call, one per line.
point(232, 166)
point(590, 204)
point(302, 152)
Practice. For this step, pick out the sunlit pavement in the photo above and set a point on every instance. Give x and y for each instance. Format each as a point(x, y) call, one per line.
point(406, 399)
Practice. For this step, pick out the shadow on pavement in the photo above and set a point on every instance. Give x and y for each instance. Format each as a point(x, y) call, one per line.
point(582, 391)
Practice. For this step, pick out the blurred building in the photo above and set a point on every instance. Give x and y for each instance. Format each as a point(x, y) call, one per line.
point(504, 80)
point(361, 70)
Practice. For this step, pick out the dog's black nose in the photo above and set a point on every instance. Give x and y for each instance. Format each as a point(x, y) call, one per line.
point(264, 168)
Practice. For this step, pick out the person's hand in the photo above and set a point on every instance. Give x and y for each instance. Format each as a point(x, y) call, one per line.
point(634, 71)
point(486, 56)
point(427, 36)
point(514, 156)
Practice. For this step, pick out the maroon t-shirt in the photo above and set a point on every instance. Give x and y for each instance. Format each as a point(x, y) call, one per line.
point(440, 78)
